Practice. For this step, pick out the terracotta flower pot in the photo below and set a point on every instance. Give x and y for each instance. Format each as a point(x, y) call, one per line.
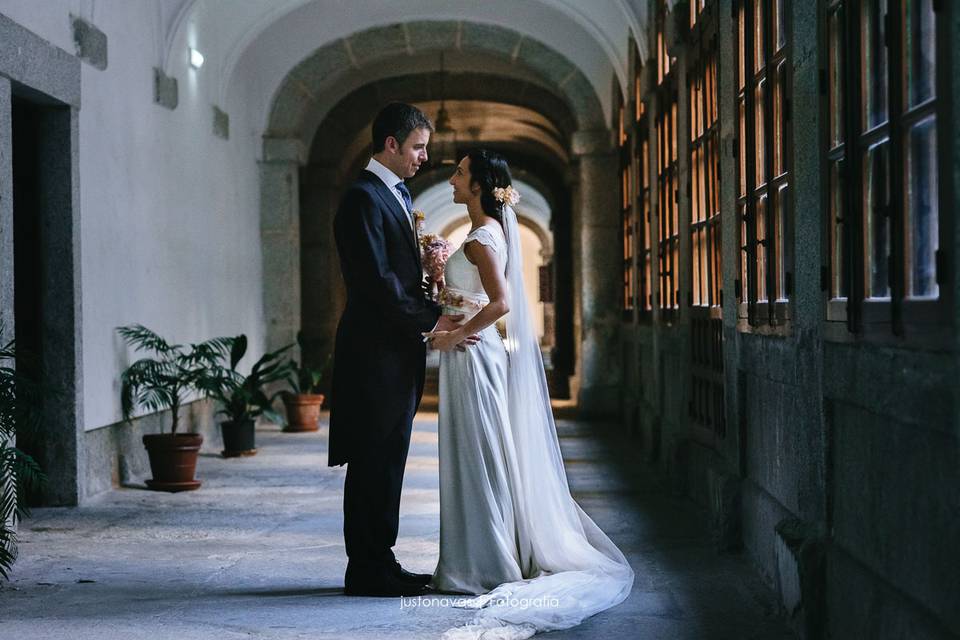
point(239, 439)
point(173, 460)
point(303, 411)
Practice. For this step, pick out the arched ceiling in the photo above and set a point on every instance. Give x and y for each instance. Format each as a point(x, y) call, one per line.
point(512, 64)
point(485, 110)
point(484, 124)
point(251, 45)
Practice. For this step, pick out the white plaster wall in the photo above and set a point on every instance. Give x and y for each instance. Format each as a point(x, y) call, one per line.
point(169, 212)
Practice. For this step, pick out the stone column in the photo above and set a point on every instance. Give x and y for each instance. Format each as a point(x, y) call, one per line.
point(280, 236)
point(322, 290)
point(597, 269)
point(549, 312)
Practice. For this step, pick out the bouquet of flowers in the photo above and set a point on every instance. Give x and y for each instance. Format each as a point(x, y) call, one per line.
point(436, 250)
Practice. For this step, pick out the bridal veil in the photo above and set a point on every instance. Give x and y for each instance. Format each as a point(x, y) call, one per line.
point(577, 571)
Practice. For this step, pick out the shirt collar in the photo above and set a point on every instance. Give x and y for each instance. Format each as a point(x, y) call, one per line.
point(388, 177)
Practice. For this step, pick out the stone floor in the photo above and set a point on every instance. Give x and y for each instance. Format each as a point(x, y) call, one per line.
point(257, 553)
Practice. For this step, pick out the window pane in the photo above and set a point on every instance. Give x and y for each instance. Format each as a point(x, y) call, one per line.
point(759, 59)
point(702, 180)
point(920, 46)
point(760, 147)
point(779, 82)
point(697, 259)
point(779, 21)
point(702, 241)
point(760, 225)
point(744, 255)
point(876, 227)
point(741, 46)
point(838, 256)
point(780, 223)
point(873, 64)
point(716, 263)
point(673, 132)
point(644, 173)
point(742, 142)
point(674, 262)
point(922, 210)
point(647, 286)
point(835, 60)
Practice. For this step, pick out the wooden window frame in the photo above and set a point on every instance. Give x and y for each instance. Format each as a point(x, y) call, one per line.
point(707, 398)
point(704, 50)
point(643, 201)
point(628, 223)
point(856, 316)
point(768, 307)
point(668, 177)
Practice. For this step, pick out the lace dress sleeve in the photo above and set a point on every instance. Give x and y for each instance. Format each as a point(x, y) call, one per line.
point(488, 237)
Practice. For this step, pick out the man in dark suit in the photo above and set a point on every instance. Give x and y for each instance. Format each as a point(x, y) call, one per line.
point(380, 356)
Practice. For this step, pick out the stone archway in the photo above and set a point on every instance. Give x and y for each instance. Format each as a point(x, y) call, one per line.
point(299, 176)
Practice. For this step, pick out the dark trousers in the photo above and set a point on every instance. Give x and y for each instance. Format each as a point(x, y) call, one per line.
point(371, 500)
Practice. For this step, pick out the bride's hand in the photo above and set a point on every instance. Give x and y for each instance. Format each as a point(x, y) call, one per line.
point(445, 341)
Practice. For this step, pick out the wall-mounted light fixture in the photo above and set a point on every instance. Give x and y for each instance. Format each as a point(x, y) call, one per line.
point(196, 58)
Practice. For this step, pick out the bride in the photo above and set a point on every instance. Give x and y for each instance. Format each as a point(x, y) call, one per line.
point(509, 529)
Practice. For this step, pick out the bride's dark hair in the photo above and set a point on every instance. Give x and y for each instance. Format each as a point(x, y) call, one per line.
point(489, 170)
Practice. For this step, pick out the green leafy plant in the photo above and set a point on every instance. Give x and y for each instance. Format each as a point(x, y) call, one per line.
point(165, 380)
point(20, 475)
point(309, 378)
point(244, 397)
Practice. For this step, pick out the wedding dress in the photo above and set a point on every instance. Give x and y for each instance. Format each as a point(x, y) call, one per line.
point(509, 528)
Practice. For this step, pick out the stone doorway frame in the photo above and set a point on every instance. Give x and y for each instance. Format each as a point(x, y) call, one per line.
point(37, 72)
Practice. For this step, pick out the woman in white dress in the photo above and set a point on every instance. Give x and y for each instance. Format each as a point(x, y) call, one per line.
point(509, 528)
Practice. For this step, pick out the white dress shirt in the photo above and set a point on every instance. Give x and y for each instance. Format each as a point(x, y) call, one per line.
point(390, 179)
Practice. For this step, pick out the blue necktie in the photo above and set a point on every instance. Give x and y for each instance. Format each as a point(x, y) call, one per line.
point(405, 194)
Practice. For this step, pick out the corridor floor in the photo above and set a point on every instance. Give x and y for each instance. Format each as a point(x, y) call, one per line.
point(257, 553)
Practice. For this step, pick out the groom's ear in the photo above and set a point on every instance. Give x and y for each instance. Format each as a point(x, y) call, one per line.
point(391, 144)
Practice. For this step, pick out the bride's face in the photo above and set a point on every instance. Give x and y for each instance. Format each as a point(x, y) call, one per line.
point(463, 191)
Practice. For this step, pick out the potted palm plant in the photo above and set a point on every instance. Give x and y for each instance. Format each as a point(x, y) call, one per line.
point(244, 397)
point(304, 403)
point(164, 382)
point(20, 475)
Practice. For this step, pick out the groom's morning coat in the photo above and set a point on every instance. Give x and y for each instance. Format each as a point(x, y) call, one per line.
point(379, 358)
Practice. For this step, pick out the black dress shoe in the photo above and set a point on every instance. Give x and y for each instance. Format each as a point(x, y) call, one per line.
point(384, 586)
point(412, 578)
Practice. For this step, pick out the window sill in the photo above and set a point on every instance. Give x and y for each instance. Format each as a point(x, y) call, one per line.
point(924, 325)
point(779, 325)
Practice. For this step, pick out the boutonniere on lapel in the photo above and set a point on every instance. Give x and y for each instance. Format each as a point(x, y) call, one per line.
point(418, 218)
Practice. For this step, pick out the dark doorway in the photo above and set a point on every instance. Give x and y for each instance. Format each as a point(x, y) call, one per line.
point(44, 270)
point(29, 279)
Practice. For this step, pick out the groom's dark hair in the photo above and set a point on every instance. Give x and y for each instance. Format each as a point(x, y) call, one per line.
point(397, 119)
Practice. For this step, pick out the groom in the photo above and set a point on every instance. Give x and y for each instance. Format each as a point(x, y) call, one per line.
point(380, 356)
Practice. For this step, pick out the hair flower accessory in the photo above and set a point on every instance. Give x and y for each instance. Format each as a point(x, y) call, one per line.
point(507, 195)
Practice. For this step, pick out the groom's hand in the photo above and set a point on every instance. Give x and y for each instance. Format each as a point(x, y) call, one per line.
point(449, 323)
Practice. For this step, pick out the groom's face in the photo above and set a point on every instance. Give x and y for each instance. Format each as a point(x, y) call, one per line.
point(408, 157)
